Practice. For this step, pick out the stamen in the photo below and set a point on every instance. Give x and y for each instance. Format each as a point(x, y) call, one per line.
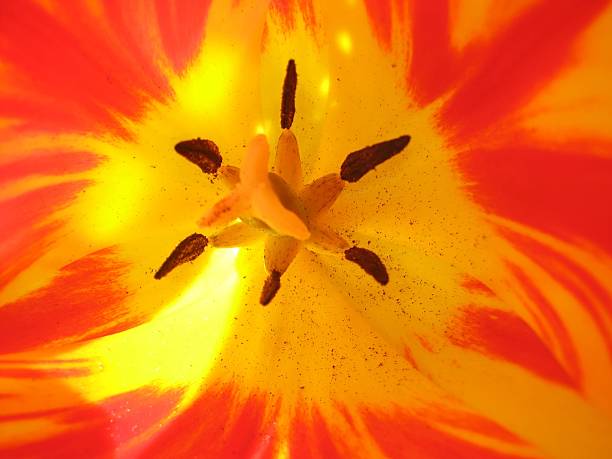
point(201, 152)
point(287, 162)
point(326, 240)
point(236, 235)
point(188, 249)
point(360, 162)
point(279, 252)
point(288, 100)
point(321, 194)
point(369, 262)
point(270, 288)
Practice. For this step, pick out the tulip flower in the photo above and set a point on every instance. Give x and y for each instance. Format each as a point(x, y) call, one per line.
point(292, 228)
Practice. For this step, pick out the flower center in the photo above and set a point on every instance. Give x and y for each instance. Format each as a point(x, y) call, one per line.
point(276, 205)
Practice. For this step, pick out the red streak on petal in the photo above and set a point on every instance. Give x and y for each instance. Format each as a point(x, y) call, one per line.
point(405, 435)
point(553, 320)
point(218, 424)
point(93, 431)
point(70, 74)
point(90, 440)
point(48, 163)
point(35, 373)
point(22, 251)
point(42, 362)
point(287, 9)
point(503, 335)
point(86, 294)
point(85, 434)
point(562, 192)
point(380, 15)
point(181, 24)
point(517, 63)
point(23, 239)
point(25, 211)
point(471, 422)
point(311, 437)
point(433, 64)
point(135, 412)
point(426, 344)
point(476, 286)
point(574, 278)
point(348, 417)
point(408, 355)
point(132, 22)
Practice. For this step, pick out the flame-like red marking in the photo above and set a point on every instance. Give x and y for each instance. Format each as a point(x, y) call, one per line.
point(85, 431)
point(181, 25)
point(287, 10)
point(94, 430)
point(433, 65)
point(578, 281)
point(311, 437)
point(476, 286)
point(40, 373)
point(48, 163)
point(86, 80)
point(410, 357)
point(404, 435)
point(379, 13)
point(27, 210)
point(21, 252)
point(86, 294)
point(550, 315)
point(218, 424)
point(471, 422)
point(516, 64)
point(560, 191)
point(22, 232)
point(135, 412)
point(504, 335)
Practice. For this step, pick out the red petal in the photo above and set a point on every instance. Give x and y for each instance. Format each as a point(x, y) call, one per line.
point(219, 424)
point(404, 435)
point(524, 57)
point(181, 24)
point(506, 336)
point(311, 437)
point(434, 64)
point(23, 239)
point(562, 191)
point(67, 73)
point(287, 10)
point(98, 430)
point(48, 163)
point(379, 13)
point(574, 278)
point(87, 294)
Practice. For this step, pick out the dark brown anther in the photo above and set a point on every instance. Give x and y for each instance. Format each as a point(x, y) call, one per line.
point(189, 249)
point(201, 152)
point(288, 100)
point(369, 262)
point(360, 162)
point(270, 288)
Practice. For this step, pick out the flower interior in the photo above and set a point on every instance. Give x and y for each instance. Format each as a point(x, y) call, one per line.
point(277, 205)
